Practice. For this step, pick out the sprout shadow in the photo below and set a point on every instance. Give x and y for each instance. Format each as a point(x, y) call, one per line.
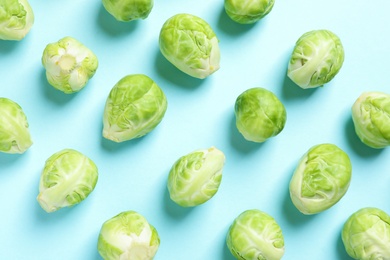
point(8, 159)
point(239, 142)
point(112, 146)
point(227, 255)
point(341, 253)
point(291, 90)
point(227, 25)
point(175, 211)
point(92, 244)
point(356, 144)
point(8, 46)
point(169, 72)
point(113, 27)
point(53, 94)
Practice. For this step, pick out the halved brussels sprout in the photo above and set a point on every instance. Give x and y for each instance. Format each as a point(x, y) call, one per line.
point(259, 114)
point(316, 59)
point(248, 11)
point(371, 117)
point(128, 236)
point(67, 179)
point(69, 64)
point(128, 10)
point(255, 235)
point(195, 178)
point(366, 234)
point(14, 133)
point(16, 19)
point(190, 44)
point(134, 107)
point(321, 179)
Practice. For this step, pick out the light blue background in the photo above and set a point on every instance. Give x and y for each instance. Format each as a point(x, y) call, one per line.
point(133, 174)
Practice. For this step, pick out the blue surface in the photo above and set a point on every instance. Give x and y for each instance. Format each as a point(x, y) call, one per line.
point(133, 175)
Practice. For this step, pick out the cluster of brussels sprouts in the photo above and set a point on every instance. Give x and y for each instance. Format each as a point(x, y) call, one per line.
point(136, 105)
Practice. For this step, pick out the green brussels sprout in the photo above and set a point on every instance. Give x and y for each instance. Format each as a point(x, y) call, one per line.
point(190, 44)
point(370, 115)
point(134, 107)
point(321, 179)
point(195, 178)
point(128, 236)
point(67, 179)
point(128, 10)
point(316, 59)
point(16, 19)
point(259, 114)
point(69, 64)
point(255, 235)
point(366, 234)
point(14, 133)
point(248, 11)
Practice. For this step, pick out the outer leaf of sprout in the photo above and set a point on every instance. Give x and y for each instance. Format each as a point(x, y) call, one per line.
point(195, 177)
point(69, 64)
point(67, 179)
point(14, 133)
point(259, 114)
point(128, 236)
point(190, 44)
point(371, 117)
point(16, 19)
point(128, 10)
point(366, 234)
point(316, 59)
point(255, 235)
point(248, 11)
point(134, 107)
point(321, 179)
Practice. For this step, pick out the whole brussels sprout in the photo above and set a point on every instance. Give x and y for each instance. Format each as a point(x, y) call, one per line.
point(67, 179)
point(316, 59)
point(248, 11)
point(69, 64)
point(370, 115)
point(134, 107)
point(16, 19)
point(255, 235)
point(195, 178)
point(128, 10)
point(366, 234)
point(259, 114)
point(190, 44)
point(128, 236)
point(14, 133)
point(321, 179)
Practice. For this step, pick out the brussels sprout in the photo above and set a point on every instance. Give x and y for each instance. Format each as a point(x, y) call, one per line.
point(190, 44)
point(134, 107)
point(67, 179)
point(321, 179)
point(316, 59)
point(366, 234)
point(248, 11)
point(14, 133)
point(69, 64)
point(259, 114)
point(16, 19)
point(128, 10)
point(371, 117)
point(128, 236)
point(195, 178)
point(255, 235)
